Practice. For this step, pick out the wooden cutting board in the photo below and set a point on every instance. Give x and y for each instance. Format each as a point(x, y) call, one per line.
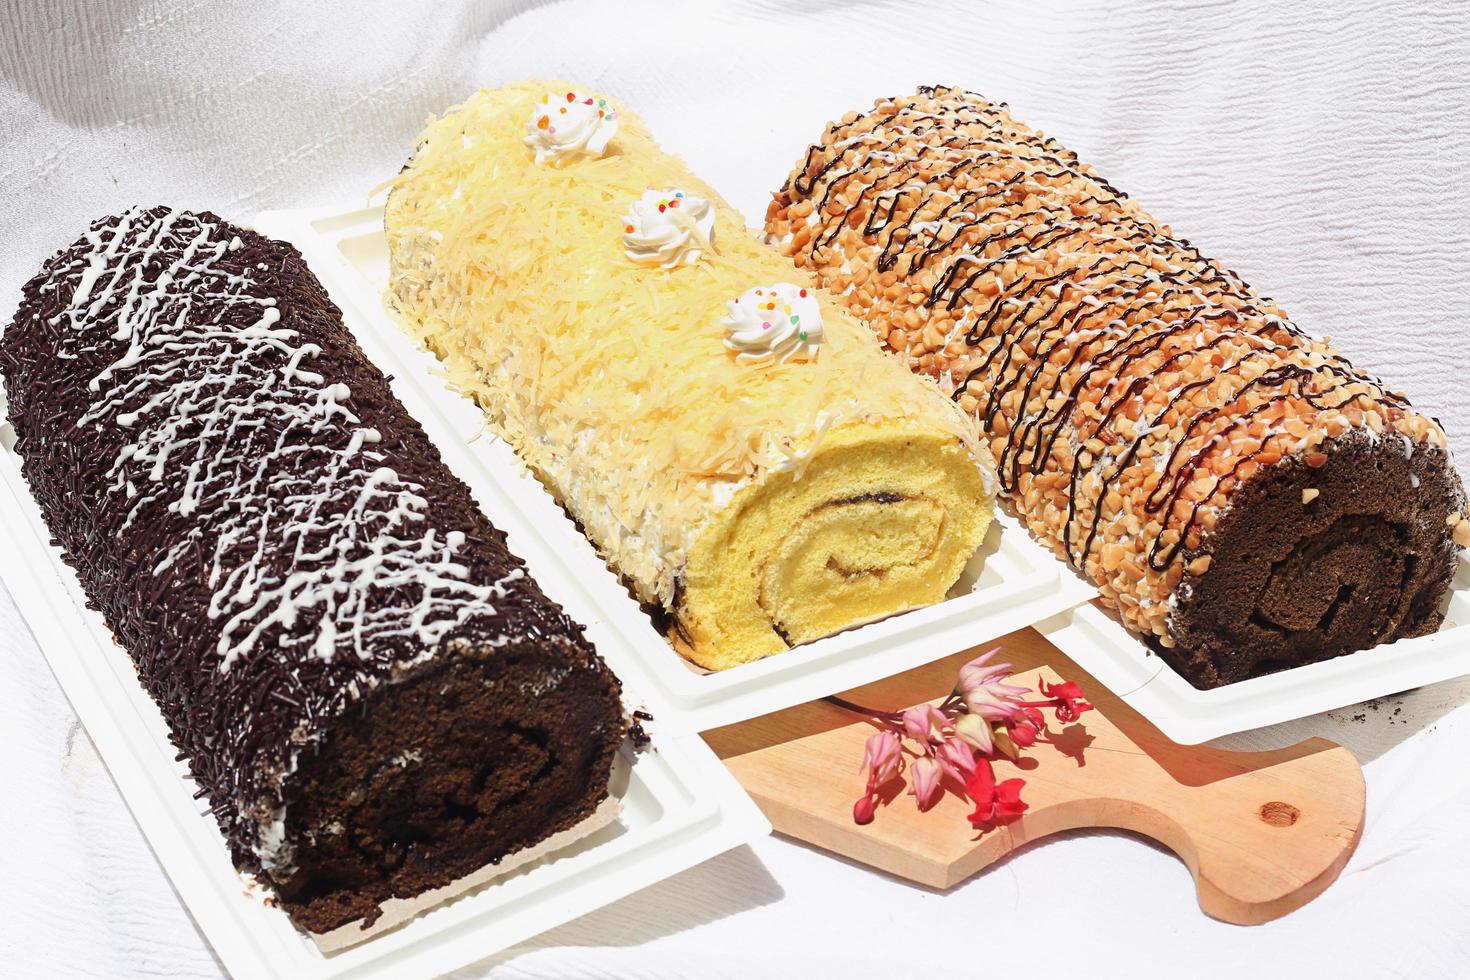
point(1263, 833)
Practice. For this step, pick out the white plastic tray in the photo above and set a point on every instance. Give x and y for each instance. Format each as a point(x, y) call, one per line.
point(679, 805)
point(1097, 641)
point(1012, 583)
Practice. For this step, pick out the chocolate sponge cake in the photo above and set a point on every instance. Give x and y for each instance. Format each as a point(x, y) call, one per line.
point(1241, 495)
point(371, 692)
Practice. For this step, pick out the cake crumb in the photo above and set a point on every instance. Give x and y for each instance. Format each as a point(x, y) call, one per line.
point(637, 734)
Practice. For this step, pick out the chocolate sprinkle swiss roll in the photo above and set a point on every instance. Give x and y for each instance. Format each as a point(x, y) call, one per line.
point(1239, 493)
point(369, 690)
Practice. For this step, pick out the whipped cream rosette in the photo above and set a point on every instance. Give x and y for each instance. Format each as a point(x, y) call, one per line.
point(568, 124)
point(668, 228)
point(760, 499)
point(774, 323)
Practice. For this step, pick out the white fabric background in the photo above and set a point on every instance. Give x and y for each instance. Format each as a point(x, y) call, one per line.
point(1320, 149)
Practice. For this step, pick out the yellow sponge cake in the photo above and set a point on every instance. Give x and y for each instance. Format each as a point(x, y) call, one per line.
point(739, 449)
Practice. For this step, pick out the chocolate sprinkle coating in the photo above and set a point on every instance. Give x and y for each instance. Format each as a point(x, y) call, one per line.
point(279, 548)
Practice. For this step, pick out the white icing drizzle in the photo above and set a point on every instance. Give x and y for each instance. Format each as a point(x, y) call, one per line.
point(668, 228)
point(194, 392)
point(566, 125)
point(776, 323)
point(201, 397)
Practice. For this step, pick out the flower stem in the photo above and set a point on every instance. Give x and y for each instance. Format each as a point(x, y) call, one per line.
point(859, 709)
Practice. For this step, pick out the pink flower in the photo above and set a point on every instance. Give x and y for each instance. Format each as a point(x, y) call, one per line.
point(983, 718)
point(1070, 695)
point(956, 758)
point(983, 688)
point(975, 731)
point(981, 671)
point(882, 758)
point(924, 782)
point(924, 722)
point(994, 803)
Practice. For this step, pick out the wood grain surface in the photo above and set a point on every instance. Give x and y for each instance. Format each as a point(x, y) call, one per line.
point(1262, 832)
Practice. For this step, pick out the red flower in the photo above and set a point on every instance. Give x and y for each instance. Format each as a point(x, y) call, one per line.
point(1023, 734)
point(994, 803)
point(1069, 695)
point(1025, 728)
point(862, 811)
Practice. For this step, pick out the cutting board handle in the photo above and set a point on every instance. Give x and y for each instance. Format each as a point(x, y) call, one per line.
point(1263, 833)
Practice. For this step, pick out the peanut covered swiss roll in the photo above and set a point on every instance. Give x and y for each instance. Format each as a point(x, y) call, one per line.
point(1241, 494)
point(740, 450)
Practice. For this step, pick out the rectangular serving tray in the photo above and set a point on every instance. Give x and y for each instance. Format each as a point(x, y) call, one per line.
point(679, 805)
point(1012, 582)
